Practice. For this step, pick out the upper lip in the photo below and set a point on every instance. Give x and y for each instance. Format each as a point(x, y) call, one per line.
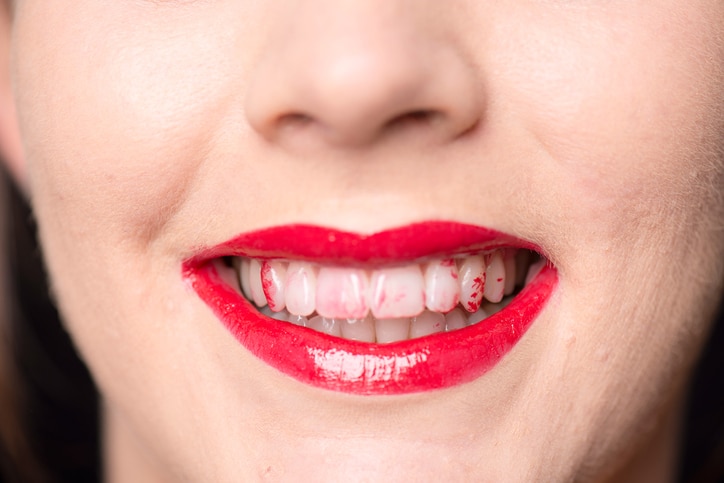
point(328, 245)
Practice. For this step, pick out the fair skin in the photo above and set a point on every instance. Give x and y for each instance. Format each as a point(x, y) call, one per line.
point(593, 129)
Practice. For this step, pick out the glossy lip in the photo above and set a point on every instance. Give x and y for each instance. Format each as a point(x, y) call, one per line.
point(423, 364)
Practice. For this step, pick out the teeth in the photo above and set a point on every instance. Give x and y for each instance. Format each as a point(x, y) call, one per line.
point(325, 325)
point(427, 323)
point(391, 303)
point(472, 282)
point(297, 320)
point(255, 286)
point(341, 292)
point(392, 330)
point(455, 320)
point(442, 289)
point(273, 281)
point(495, 277)
point(359, 329)
point(397, 292)
point(301, 288)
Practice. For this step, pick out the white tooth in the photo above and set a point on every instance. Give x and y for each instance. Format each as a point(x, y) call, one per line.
point(522, 260)
point(392, 330)
point(244, 278)
point(342, 293)
point(282, 315)
point(442, 290)
point(495, 277)
point(477, 316)
point(397, 292)
point(427, 323)
point(472, 282)
point(534, 270)
point(257, 291)
point(509, 260)
point(301, 287)
point(325, 325)
point(455, 320)
point(359, 329)
point(273, 280)
point(297, 319)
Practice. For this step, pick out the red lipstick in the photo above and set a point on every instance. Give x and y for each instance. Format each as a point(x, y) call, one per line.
point(426, 363)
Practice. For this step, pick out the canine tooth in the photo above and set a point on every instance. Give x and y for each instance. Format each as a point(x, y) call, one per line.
point(273, 281)
point(244, 279)
point(509, 260)
point(301, 288)
point(359, 329)
point(257, 290)
point(472, 282)
point(477, 316)
point(297, 319)
point(342, 293)
point(392, 330)
point(397, 292)
point(442, 290)
point(325, 325)
point(495, 277)
point(427, 323)
point(456, 319)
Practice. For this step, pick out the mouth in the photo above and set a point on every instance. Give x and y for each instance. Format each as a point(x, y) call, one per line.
point(416, 308)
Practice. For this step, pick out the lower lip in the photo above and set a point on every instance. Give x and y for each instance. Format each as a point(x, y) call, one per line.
point(433, 362)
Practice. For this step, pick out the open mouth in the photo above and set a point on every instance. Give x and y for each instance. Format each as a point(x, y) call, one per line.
point(415, 308)
point(387, 304)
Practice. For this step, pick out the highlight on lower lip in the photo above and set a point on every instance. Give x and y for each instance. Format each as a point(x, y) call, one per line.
point(432, 362)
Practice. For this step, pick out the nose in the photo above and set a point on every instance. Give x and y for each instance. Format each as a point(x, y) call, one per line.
point(351, 73)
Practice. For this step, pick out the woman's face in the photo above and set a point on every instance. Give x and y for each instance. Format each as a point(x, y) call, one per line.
point(592, 131)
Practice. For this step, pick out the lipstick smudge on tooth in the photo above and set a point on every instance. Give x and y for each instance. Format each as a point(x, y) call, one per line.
point(342, 292)
point(472, 276)
point(388, 304)
point(442, 289)
point(495, 277)
point(397, 292)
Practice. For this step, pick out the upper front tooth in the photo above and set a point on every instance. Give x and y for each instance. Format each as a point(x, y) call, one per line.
point(397, 292)
point(442, 290)
point(301, 289)
point(342, 293)
point(472, 282)
point(273, 281)
point(495, 277)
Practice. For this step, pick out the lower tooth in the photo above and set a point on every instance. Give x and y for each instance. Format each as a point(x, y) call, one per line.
point(455, 320)
point(325, 325)
point(427, 323)
point(477, 316)
point(298, 320)
point(392, 330)
point(359, 329)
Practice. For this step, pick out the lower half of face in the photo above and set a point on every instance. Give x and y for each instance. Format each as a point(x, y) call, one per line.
point(544, 181)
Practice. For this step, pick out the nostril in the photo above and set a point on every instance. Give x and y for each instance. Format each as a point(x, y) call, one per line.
point(417, 118)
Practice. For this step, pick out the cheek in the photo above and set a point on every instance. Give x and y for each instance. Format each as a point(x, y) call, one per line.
point(119, 119)
point(627, 114)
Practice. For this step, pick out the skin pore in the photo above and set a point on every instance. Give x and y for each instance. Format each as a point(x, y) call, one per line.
point(594, 129)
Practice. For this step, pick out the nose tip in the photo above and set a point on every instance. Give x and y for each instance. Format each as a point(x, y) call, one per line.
point(354, 85)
